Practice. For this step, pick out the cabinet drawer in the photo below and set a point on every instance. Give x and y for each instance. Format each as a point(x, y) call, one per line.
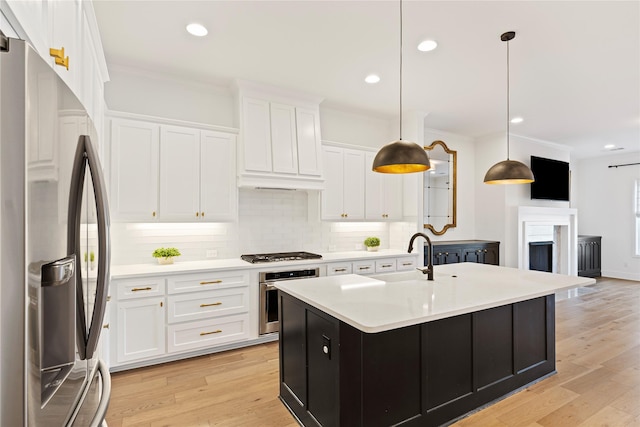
point(207, 333)
point(207, 281)
point(339, 268)
point(384, 265)
point(203, 305)
point(405, 264)
point(139, 288)
point(364, 267)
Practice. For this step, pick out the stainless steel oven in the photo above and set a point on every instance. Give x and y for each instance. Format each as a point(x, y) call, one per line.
point(269, 295)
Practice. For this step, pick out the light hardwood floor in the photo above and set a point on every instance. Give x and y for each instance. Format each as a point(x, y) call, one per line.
point(597, 384)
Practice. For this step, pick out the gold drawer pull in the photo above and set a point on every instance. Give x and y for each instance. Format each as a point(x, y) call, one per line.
point(148, 288)
point(407, 263)
point(363, 268)
point(387, 265)
point(209, 333)
point(212, 282)
point(340, 269)
point(209, 305)
point(105, 326)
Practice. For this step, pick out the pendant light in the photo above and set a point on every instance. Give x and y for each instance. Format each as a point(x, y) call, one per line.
point(401, 156)
point(508, 171)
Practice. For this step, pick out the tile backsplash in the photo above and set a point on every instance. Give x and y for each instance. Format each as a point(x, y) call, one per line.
point(268, 221)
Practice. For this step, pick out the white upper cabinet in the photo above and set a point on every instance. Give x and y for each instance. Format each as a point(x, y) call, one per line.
point(343, 196)
point(218, 189)
point(65, 33)
point(179, 173)
point(168, 173)
point(383, 193)
point(279, 143)
point(284, 146)
point(135, 147)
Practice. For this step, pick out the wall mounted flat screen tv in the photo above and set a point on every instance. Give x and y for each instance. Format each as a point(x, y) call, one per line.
point(551, 179)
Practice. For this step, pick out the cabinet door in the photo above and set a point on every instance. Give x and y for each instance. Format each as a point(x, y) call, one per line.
point(322, 372)
point(32, 16)
point(256, 138)
point(374, 198)
point(492, 254)
point(65, 24)
point(333, 193)
point(472, 254)
point(179, 174)
point(284, 150)
point(134, 170)
point(309, 150)
point(353, 197)
point(141, 329)
point(392, 191)
point(218, 190)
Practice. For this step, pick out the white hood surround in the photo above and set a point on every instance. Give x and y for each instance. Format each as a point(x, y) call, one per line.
point(565, 236)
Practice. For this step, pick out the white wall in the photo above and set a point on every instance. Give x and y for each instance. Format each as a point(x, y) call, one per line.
point(496, 206)
point(143, 92)
point(605, 206)
point(354, 129)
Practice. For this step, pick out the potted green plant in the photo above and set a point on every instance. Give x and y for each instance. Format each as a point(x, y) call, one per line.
point(372, 243)
point(165, 255)
point(92, 260)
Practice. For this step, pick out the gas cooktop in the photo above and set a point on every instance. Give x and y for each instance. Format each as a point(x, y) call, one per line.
point(280, 256)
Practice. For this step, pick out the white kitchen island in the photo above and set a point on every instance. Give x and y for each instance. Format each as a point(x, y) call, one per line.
point(396, 349)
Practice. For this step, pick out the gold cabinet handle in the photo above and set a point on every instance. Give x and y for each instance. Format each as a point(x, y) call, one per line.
point(197, 214)
point(105, 326)
point(161, 304)
point(211, 304)
point(108, 298)
point(202, 214)
point(212, 282)
point(340, 269)
point(60, 59)
point(363, 268)
point(148, 288)
point(217, 331)
point(407, 263)
point(387, 265)
point(153, 214)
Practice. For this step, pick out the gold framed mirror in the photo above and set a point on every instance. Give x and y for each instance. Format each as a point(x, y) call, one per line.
point(439, 188)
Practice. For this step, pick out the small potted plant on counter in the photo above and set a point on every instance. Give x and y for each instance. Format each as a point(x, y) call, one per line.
point(372, 243)
point(165, 255)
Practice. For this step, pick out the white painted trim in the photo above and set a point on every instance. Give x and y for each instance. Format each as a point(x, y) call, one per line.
point(165, 121)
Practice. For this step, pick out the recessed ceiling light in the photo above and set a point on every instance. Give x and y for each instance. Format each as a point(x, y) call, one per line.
point(427, 45)
point(610, 146)
point(372, 79)
point(197, 30)
point(517, 120)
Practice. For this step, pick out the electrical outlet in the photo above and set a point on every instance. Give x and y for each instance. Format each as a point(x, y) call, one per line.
point(212, 253)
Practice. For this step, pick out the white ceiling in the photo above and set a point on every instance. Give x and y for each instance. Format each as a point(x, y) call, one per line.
point(575, 65)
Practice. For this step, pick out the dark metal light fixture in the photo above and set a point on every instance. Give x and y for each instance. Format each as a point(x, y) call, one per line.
point(508, 171)
point(401, 156)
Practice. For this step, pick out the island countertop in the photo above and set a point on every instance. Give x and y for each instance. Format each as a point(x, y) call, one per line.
point(389, 301)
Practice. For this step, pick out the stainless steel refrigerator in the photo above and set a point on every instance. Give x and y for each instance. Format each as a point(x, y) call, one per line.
point(54, 255)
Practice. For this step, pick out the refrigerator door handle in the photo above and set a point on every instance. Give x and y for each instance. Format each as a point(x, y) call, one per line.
point(101, 411)
point(87, 155)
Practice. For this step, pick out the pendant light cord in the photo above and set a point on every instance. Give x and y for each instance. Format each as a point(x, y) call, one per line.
point(400, 70)
point(508, 115)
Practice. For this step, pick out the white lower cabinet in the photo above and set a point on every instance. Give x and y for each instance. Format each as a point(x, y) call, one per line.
point(371, 266)
point(140, 330)
point(157, 318)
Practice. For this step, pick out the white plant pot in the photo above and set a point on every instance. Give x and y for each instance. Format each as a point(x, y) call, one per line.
point(165, 261)
point(372, 248)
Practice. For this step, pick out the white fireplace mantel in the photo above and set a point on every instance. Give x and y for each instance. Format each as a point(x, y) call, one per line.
point(565, 220)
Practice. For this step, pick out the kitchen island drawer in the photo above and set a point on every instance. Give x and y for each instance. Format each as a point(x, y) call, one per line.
point(139, 288)
point(206, 281)
point(203, 305)
point(207, 333)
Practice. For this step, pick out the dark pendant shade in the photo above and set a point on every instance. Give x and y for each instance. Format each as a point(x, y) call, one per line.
point(401, 157)
point(509, 172)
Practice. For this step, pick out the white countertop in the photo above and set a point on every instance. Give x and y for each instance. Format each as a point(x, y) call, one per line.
point(154, 269)
point(388, 301)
